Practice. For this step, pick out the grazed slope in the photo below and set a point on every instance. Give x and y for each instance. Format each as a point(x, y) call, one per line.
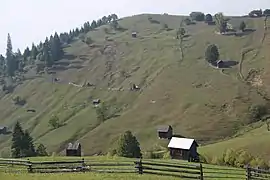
point(196, 99)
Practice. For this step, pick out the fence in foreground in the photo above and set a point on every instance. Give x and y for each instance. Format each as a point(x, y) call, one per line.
point(190, 171)
point(156, 167)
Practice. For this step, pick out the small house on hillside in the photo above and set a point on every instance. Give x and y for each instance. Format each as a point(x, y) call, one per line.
point(3, 130)
point(165, 132)
point(74, 149)
point(134, 34)
point(220, 64)
point(184, 149)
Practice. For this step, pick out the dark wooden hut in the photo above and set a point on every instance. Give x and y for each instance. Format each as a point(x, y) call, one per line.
point(183, 149)
point(165, 132)
point(220, 64)
point(74, 149)
point(134, 34)
point(3, 130)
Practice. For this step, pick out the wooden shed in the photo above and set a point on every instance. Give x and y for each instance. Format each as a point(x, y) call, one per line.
point(74, 149)
point(134, 34)
point(3, 130)
point(220, 64)
point(183, 149)
point(165, 132)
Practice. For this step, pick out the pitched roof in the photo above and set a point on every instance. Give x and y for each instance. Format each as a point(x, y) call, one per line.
point(74, 146)
point(163, 128)
point(181, 143)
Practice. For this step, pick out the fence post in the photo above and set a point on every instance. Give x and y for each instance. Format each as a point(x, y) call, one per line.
point(248, 173)
point(30, 169)
point(140, 166)
point(83, 162)
point(201, 171)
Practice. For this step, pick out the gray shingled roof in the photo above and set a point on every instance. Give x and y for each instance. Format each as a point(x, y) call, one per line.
point(163, 128)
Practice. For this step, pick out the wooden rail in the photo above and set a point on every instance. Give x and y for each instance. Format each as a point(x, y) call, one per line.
point(163, 169)
point(256, 173)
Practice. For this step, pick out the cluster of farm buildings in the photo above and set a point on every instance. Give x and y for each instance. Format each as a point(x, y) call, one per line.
point(179, 147)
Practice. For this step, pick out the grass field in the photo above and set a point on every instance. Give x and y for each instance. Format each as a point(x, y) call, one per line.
point(210, 171)
point(197, 100)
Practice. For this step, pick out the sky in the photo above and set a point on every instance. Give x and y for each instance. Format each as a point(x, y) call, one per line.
point(30, 21)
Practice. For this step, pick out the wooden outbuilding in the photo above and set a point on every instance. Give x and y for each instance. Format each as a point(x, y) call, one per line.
point(183, 149)
point(165, 132)
point(220, 64)
point(74, 149)
point(134, 34)
point(3, 130)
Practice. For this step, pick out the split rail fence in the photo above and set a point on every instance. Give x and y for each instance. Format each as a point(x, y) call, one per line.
point(156, 167)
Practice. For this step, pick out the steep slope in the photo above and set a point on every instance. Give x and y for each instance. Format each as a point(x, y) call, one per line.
point(196, 99)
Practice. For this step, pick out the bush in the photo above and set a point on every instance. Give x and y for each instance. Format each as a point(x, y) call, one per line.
point(128, 146)
point(54, 122)
point(242, 26)
point(212, 53)
point(256, 112)
point(41, 150)
point(197, 16)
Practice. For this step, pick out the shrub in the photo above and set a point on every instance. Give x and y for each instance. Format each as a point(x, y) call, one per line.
point(212, 53)
point(54, 122)
point(197, 16)
point(128, 146)
point(187, 21)
point(230, 157)
point(41, 150)
point(165, 26)
point(256, 112)
point(242, 26)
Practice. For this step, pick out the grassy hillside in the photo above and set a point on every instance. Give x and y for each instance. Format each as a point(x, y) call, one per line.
point(196, 99)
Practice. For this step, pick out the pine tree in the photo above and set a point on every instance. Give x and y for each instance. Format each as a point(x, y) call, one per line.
point(56, 48)
point(28, 149)
point(34, 51)
point(19, 60)
point(17, 140)
point(47, 57)
point(2, 64)
point(94, 24)
point(10, 59)
point(128, 146)
point(26, 54)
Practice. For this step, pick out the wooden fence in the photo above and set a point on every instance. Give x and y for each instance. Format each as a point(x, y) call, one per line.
point(258, 174)
point(66, 166)
point(163, 168)
point(190, 171)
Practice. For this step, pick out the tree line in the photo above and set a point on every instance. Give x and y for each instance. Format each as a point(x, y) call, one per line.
point(47, 52)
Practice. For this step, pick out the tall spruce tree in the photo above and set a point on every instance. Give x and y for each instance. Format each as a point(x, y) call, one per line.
point(2, 64)
point(28, 148)
point(17, 136)
point(22, 143)
point(47, 57)
point(10, 59)
point(34, 51)
point(56, 48)
point(26, 54)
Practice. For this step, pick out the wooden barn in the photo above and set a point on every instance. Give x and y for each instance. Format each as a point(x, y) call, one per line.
point(165, 132)
point(184, 149)
point(74, 149)
point(3, 130)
